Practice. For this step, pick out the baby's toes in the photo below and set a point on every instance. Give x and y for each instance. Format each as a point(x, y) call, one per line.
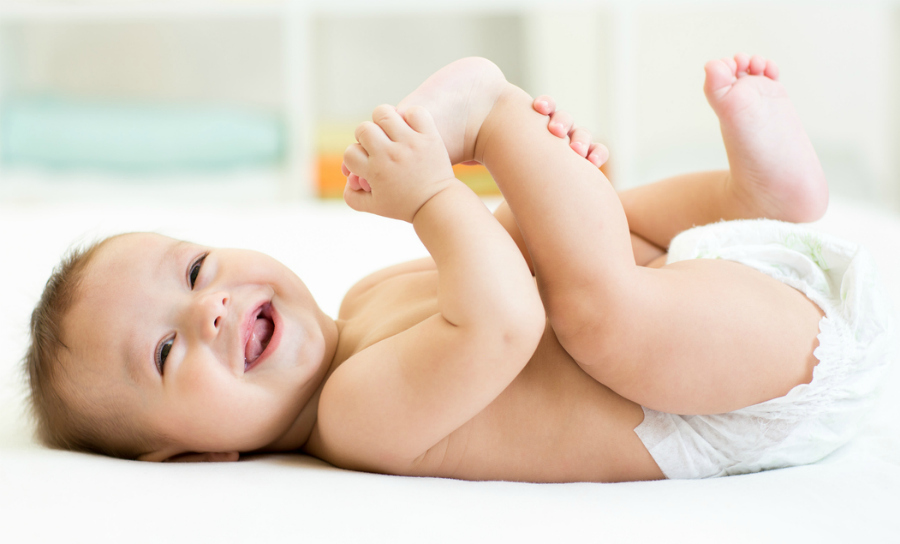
point(719, 77)
point(757, 65)
point(771, 70)
point(742, 62)
point(731, 64)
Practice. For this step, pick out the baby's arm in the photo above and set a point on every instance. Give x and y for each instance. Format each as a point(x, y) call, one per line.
point(388, 404)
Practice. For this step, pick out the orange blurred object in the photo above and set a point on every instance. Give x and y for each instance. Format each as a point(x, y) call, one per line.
point(332, 180)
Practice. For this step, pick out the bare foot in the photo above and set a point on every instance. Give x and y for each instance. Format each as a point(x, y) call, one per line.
point(774, 168)
point(459, 97)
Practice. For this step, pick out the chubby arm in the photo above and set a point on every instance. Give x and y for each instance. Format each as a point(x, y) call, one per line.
point(388, 404)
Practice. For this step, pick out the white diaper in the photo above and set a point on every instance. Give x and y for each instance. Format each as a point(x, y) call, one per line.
point(812, 420)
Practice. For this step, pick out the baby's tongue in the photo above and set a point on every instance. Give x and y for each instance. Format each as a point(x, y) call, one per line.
point(259, 339)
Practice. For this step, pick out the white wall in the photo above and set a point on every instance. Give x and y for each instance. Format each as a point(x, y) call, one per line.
point(836, 62)
point(361, 62)
point(630, 71)
point(182, 60)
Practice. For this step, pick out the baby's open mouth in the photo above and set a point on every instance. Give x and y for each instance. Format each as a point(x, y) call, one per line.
point(260, 334)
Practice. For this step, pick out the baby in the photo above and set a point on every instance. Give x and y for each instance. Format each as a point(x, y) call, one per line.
point(553, 341)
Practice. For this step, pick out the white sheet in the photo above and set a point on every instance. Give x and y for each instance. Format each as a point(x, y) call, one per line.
point(61, 496)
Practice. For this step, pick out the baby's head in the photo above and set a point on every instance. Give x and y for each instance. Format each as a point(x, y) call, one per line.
point(145, 347)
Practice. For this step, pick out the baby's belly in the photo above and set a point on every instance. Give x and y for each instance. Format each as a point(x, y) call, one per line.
point(554, 423)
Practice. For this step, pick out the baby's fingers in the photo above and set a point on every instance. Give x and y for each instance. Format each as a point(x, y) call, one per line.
point(560, 124)
point(371, 136)
point(358, 184)
point(353, 182)
point(386, 117)
point(545, 105)
point(357, 199)
point(356, 159)
point(580, 141)
point(420, 119)
point(598, 154)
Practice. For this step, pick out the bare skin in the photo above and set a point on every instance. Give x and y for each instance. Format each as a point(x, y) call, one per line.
point(774, 172)
point(448, 366)
point(558, 400)
point(675, 339)
point(552, 423)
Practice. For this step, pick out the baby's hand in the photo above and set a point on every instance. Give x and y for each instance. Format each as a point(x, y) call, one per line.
point(398, 164)
point(561, 124)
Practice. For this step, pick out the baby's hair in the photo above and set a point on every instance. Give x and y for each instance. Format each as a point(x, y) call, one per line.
point(64, 419)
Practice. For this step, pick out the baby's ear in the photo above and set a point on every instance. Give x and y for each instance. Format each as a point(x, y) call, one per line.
point(209, 457)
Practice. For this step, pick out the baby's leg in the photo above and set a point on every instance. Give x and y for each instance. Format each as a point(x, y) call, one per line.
point(774, 172)
point(694, 337)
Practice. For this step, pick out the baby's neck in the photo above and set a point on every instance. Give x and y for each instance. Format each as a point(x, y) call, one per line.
point(298, 434)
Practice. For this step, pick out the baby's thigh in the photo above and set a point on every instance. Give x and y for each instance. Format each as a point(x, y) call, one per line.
point(702, 336)
point(646, 253)
point(749, 336)
point(658, 262)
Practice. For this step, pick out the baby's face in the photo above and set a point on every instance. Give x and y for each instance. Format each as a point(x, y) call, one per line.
point(216, 349)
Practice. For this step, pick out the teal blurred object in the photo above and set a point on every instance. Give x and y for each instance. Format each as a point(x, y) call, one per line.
point(136, 137)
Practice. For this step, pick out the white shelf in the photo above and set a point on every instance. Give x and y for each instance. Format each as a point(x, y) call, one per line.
point(118, 11)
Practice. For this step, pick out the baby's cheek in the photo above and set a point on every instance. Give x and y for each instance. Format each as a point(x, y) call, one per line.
point(214, 415)
point(204, 390)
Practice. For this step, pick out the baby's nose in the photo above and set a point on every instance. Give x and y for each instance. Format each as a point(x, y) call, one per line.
point(210, 310)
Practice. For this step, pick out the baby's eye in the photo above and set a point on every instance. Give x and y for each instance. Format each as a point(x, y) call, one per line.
point(162, 353)
point(195, 269)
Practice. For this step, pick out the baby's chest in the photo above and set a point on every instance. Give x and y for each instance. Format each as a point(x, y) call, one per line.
point(551, 410)
point(394, 305)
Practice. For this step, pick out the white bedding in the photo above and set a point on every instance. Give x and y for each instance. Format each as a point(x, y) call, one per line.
point(60, 496)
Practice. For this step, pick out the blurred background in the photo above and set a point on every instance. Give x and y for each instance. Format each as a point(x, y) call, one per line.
point(255, 100)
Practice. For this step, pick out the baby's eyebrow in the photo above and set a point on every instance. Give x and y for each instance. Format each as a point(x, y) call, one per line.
point(173, 252)
point(168, 268)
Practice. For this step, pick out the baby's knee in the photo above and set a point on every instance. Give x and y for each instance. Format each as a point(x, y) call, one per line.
point(594, 318)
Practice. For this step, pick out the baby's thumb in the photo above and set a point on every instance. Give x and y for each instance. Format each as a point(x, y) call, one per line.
point(419, 119)
point(357, 199)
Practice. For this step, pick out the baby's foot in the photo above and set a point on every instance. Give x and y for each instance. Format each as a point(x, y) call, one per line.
point(774, 168)
point(459, 97)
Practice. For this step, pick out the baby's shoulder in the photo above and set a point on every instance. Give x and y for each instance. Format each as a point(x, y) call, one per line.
point(363, 286)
